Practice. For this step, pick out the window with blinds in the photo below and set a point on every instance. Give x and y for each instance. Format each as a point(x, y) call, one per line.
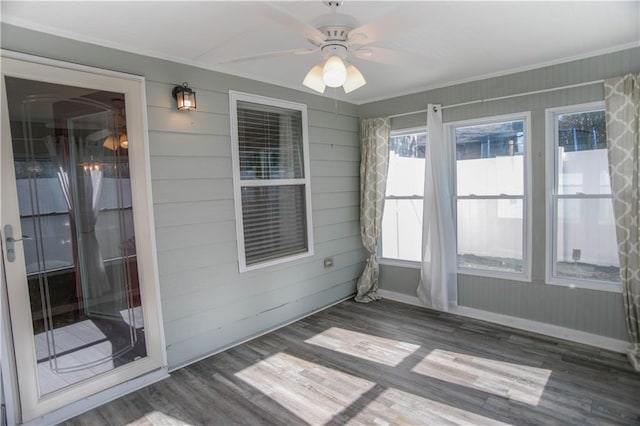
point(271, 180)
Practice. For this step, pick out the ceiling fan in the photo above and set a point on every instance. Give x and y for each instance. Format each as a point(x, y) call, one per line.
point(338, 36)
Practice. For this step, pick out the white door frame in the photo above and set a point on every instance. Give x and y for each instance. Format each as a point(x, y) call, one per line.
point(25, 387)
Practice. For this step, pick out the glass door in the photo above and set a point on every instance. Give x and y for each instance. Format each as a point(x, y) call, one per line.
point(72, 250)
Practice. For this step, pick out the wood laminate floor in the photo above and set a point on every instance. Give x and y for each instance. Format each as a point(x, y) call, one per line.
point(390, 363)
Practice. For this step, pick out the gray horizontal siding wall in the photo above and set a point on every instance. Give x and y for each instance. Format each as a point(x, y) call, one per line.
point(207, 304)
point(586, 310)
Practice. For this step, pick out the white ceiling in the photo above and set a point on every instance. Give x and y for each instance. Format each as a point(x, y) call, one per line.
point(443, 42)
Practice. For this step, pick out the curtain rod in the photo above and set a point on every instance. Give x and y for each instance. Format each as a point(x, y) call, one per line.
point(478, 101)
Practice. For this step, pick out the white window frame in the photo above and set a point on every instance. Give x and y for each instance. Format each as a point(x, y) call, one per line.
point(238, 183)
point(389, 260)
point(551, 129)
point(450, 129)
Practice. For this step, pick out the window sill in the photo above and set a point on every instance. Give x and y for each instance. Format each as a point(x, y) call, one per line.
point(256, 266)
point(507, 276)
point(586, 285)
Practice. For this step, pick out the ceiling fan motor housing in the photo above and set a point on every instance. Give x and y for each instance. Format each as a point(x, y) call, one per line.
point(336, 42)
point(336, 33)
point(336, 49)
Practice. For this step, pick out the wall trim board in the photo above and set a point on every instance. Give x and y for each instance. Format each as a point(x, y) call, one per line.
point(502, 73)
point(551, 330)
point(260, 334)
point(98, 399)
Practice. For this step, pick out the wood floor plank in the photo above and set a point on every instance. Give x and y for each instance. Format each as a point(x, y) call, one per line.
point(387, 363)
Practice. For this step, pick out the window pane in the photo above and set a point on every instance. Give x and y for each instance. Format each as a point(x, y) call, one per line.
point(406, 164)
point(490, 159)
point(490, 234)
point(274, 222)
point(402, 230)
point(582, 131)
point(586, 245)
point(408, 145)
point(270, 142)
point(491, 176)
point(582, 154)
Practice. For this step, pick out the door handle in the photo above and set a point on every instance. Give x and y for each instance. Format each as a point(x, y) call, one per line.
point(24, 237)
point(8, 236)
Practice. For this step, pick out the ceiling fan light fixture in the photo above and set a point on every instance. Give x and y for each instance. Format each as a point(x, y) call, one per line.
point(111, 143)
point(354, 80)
point(334, 73)
point(313, 80)
point(124, 141)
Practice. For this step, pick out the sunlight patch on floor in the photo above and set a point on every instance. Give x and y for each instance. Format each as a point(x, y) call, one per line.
point(514, 381)
point(312, 392)
point(365, 346)
point(158, 418)
point(394, 406)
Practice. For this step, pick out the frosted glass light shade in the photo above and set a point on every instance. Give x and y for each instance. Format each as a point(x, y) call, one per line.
point(354, 80)
point(334, 72)
point(111, 143)
point(185, 97)
point(313, 80)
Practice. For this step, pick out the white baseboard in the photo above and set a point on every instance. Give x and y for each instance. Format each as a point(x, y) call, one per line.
point(559, 332)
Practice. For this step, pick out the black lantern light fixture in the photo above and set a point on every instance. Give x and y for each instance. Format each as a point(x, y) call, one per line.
point(185, 97)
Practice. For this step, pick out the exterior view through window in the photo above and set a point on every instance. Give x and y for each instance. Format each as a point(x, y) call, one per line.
point(402, 218)
point(491, 196)
point(582, 230)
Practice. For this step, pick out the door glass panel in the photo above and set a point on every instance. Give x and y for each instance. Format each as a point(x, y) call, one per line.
point(71, 161)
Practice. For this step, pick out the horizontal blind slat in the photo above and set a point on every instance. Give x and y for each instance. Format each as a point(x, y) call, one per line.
point(269, 142)
point(274, 221)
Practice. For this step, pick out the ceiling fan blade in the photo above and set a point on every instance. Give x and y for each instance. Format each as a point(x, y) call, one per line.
point(288, 21)
point(268, 55)
point(385, 27)
point(389, 56)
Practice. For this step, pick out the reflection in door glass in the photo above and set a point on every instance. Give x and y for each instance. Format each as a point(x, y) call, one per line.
point(70, 150)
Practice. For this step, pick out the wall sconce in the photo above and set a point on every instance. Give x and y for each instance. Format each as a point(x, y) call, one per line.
point(185, 97)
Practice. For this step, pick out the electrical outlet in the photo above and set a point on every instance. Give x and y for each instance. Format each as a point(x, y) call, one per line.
point(328, 262)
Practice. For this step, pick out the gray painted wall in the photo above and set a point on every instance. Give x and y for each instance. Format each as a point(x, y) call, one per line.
point(207, 304)
point(586, 310)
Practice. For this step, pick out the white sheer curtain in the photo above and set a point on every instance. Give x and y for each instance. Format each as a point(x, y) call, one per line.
point(622, 99)
point(438, 287)
point(374, 165)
